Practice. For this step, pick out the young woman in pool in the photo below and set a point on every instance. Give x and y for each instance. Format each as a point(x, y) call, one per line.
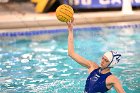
point(100, 79)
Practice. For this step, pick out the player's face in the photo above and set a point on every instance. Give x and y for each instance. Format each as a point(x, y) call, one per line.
point(105, 62)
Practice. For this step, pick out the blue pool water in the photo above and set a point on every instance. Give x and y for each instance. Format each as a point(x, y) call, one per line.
point(28, 66)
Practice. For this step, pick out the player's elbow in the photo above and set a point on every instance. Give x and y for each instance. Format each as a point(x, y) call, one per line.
point(70, 53)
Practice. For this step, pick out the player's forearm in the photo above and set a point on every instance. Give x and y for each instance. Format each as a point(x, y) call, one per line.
point(120, 91)
point(70, 41)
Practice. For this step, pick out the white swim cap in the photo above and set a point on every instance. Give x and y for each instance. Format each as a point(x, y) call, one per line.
point(113, 57)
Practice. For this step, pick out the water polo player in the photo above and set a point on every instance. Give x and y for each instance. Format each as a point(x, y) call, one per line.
point(100, 79)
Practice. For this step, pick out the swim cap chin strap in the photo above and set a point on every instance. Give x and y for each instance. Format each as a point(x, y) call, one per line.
point(113, 57)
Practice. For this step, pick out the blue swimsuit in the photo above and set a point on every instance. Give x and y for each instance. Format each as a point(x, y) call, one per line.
point(96, 82)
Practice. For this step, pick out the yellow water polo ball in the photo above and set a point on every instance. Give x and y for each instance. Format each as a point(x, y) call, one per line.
point(64, 13)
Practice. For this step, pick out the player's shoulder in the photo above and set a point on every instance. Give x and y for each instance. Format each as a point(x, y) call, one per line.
point(93, 66)
point(112, 78)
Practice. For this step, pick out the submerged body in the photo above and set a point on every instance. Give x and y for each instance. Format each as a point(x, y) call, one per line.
point(96, 82)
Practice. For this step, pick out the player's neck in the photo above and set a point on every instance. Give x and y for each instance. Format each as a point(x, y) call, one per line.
point(106, 70)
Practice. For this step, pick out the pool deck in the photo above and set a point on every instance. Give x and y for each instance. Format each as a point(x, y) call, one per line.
point(14, 16)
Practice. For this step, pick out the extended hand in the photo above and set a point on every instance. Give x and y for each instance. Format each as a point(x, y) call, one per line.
point(70, 24)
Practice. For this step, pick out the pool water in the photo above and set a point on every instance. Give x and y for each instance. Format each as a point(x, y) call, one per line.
point(44, 67)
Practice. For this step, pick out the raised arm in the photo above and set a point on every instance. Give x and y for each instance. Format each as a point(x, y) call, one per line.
point(82, 61)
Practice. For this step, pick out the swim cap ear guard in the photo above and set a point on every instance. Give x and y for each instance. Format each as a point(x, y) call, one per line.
point(113, 57)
